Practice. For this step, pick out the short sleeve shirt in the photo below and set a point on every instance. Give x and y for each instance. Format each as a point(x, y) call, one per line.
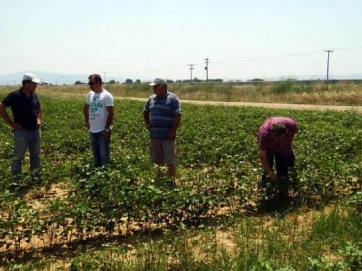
point(98, 112)
point(24, 108)
point(162, 114)
point(266, 141)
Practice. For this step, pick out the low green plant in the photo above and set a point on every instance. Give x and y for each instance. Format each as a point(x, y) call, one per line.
point(217, 180)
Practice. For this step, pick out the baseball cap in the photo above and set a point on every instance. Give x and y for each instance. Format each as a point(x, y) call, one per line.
point(30, 77)
point(159, 81)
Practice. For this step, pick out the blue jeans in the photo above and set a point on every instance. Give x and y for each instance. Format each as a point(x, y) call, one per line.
point(100, 148)
point(23, 140)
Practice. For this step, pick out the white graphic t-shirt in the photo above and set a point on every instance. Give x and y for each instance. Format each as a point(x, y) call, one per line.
point(98, 113)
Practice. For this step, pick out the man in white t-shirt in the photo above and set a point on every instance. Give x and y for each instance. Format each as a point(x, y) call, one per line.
point(98, 114)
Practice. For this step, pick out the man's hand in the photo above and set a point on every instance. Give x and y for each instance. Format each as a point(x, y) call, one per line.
point(16, 126)
point(272, 176)
point(172, 135)
point(105, 133)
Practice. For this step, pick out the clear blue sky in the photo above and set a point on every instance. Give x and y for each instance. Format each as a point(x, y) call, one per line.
point(142, 39)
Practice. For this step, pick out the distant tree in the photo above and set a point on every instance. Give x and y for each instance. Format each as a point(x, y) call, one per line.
point(128, 81)
point(169, 81)
point(78, 83)
point(138, 81)
point(112, 81)
point(256, 80)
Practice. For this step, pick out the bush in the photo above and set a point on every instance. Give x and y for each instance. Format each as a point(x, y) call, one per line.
point(282, 87)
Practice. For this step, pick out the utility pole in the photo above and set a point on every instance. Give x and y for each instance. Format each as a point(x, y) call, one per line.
point(104, 77)
point(191, 68)
point(207, 69)
point(328, 51)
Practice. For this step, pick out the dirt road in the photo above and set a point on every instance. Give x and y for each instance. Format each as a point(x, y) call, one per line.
point(357, 109)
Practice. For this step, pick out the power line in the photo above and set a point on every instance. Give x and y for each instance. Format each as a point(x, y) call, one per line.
point(233, 61)
point(222, 62)
point(269, 57)
point(349, 49)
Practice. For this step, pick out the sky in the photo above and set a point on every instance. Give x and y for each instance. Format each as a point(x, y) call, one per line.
point(142, 39)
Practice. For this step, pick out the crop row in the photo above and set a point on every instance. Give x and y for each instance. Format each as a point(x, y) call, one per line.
point(218, 169)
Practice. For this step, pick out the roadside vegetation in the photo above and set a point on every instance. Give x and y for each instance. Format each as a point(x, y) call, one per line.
point(122, 217)
point(289, 91)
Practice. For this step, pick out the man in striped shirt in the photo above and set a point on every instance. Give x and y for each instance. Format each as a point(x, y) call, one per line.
point(162, 116)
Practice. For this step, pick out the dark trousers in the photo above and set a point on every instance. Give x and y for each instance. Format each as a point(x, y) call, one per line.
point(282, 162)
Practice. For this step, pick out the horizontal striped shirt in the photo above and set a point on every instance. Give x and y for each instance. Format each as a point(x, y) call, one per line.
point(162, 113)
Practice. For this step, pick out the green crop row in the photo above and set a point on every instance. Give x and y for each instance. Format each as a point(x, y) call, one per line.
point(217, 168)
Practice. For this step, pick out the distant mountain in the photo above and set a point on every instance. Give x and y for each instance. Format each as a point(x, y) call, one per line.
point(315, 77)
point(51, 78)
point(70, 79)
point(331, 77)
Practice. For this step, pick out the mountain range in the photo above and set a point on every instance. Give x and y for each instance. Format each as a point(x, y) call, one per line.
point(52, 78)
point(70, 79)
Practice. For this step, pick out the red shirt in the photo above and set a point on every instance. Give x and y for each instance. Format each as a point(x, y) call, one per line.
point(266, 141)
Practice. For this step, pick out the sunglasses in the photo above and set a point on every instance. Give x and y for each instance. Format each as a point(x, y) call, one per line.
point(91, 83)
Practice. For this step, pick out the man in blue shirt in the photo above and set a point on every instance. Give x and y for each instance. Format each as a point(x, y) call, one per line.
point(162, 116)
point(26, 110)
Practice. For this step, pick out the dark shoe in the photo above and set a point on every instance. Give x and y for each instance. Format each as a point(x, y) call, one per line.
point(14, 185)
point(36, 180)
point(171, 184)
point(284, 199)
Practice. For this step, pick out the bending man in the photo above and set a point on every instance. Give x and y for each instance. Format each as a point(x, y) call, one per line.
point(275, 138)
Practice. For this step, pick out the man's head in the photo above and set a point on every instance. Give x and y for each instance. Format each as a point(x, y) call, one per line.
point(30, 82)
point(159, 86)
point(279, 131)
point(158, 81)
point(95, 82)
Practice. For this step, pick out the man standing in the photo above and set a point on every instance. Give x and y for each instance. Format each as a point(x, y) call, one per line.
point(275, 139)
point(162, 116)
point(98, 114)
point(26, 122)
